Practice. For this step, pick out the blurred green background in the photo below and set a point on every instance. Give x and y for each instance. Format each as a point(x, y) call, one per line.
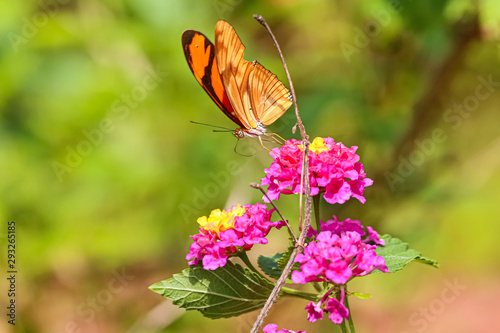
point(105, 176)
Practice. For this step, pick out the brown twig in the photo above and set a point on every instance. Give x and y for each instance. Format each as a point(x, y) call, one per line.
point(298, 249)
point(303, 133)
point(290, 231)
point(305, 183)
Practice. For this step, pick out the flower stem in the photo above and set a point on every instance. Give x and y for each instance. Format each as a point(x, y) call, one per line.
point(343, 327)
point(351, 323)
point(300, 294)
point(290, 231)
point(316, 212)
point(317, 286)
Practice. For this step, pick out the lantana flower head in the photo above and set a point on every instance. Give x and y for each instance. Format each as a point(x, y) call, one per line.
point(226, 233)
point(341, 227)
point(339, 253)
point(334, 169)
point(336, 308)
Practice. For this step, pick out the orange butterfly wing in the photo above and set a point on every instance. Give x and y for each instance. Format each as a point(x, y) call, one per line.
point(245, 91)
point(200, 56)
point(269, 97)
point(255, 93)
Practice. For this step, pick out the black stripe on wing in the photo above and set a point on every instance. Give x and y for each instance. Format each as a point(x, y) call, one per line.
point(200, 55)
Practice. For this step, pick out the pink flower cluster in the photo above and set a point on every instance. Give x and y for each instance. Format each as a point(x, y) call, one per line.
point(273, 328)
point(341, 227)
point(339, 254)
point(227, 233)
point(334, 169)
point(338, 311)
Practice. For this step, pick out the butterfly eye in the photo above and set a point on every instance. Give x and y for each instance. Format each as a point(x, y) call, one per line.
point(239, 133)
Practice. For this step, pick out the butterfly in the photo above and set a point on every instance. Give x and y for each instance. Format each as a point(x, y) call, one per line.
point(249, 94)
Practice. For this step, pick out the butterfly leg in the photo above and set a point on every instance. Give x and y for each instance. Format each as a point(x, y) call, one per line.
point(262, 144)
point(276, 138)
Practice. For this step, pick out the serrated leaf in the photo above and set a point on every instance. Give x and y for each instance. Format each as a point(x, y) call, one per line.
point(269, 265)
point(397, 254)
point(225, 292)
point(285, 257)
point(427, 261)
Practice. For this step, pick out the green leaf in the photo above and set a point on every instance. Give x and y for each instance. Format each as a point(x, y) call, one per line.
point(285, 258)
point(397, 254)
point(427, 261)
point(272, 265)
point(269, 265)
point(361, 295)
point(225, 292)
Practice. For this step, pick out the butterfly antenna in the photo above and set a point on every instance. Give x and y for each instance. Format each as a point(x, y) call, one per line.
point(224, 131)
point(224, 128)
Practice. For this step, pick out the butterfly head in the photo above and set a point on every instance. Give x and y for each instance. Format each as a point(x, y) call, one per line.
point(252, 132)
point(239, 133)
